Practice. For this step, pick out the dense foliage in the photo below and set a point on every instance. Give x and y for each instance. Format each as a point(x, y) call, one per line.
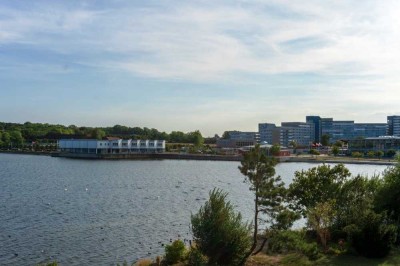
point(353, 207)
point(14, 135)
point(219, 232)
point(317, 185)
point(175, 252)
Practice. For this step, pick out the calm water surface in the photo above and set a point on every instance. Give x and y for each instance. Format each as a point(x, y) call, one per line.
point(82, 212)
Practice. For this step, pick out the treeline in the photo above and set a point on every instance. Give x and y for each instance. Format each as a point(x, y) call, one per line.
point(18, 135)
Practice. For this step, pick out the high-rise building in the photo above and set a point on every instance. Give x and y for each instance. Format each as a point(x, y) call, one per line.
point(369, 130)
point(393, 125)
point(240, 135)
point(347, 129)
point(315, 122)
point(268, 133)
point(298, 132)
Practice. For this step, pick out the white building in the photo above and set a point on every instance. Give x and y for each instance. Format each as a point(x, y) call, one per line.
point(93, 146)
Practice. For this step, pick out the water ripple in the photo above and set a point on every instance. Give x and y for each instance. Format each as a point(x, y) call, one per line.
point(102, 212)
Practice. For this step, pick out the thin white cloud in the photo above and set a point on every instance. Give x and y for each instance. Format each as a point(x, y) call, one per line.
point(205, 42)
point(352, 45)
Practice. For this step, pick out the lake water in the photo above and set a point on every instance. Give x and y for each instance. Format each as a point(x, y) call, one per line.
point(88, 212)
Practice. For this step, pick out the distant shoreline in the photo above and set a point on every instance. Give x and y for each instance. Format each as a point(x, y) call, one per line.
point(209, 157)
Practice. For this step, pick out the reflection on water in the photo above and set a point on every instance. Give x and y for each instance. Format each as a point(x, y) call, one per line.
point(102, 212)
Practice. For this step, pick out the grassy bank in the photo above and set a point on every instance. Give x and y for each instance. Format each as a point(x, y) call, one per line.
point(342, 260)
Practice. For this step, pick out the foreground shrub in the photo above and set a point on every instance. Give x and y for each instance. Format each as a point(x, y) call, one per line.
point(196, 258)
point(376, 237)
point(175, 252)
point(219, 232)
point(289, 241)
point(285, 241)
point(310, 250)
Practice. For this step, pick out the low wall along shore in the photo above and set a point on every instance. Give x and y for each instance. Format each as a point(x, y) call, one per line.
point(209, 157)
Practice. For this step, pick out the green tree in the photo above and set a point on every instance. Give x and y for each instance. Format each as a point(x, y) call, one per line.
point(356, 154)
point(196, 138)
point(379, 154)
point(178, 137)
point(325, 139)
point(388, 194)
point(371, 154)
point(321, 218)
point(317, 185)
point(219, 232)
point(275, 149)
point(338, 143)
point(175, 252)
point(376, 236)
point(356, 199)
point(226, 135)
point(335, 150)
point(269, 190)
point(391, 153)
point(16, 138)
point(97, 133)
point(6, 139)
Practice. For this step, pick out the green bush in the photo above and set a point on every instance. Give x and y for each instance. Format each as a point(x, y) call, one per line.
point(293, 241)
point(356, 154)
point(285, 241)
point(390, 153)
point(314, 152)
point(196, 258)
point(376, 237)
point(175, 252)
point(219, 232)
point(310, 250)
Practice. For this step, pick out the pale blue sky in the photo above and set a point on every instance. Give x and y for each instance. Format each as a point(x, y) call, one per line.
point(207, 65)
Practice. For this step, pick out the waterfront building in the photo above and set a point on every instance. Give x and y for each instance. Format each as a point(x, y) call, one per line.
point(235, 143)
point(315, 127)
point(238, 139)
point(315, 122)
point(369, 130)
point(339, 130)
point(111, 146)
point(244, 135)
point(298, 132)
point(383, 143)
point(393, 125)
point(345, 129)
point(269, 133)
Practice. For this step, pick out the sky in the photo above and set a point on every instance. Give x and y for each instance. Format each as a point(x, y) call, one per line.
point(198, 65)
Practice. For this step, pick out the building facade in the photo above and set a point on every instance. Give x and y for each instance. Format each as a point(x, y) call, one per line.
point(235, 143)
point(243, 135)
point(114, 146)
point(345, 129)
point(296, 132)
point(315, 122)
point(393, 125)
point(383, 143)
point(269, 133)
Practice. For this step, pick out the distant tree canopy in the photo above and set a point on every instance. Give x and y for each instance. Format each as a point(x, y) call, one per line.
point(16, 135)
point(325, 139)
